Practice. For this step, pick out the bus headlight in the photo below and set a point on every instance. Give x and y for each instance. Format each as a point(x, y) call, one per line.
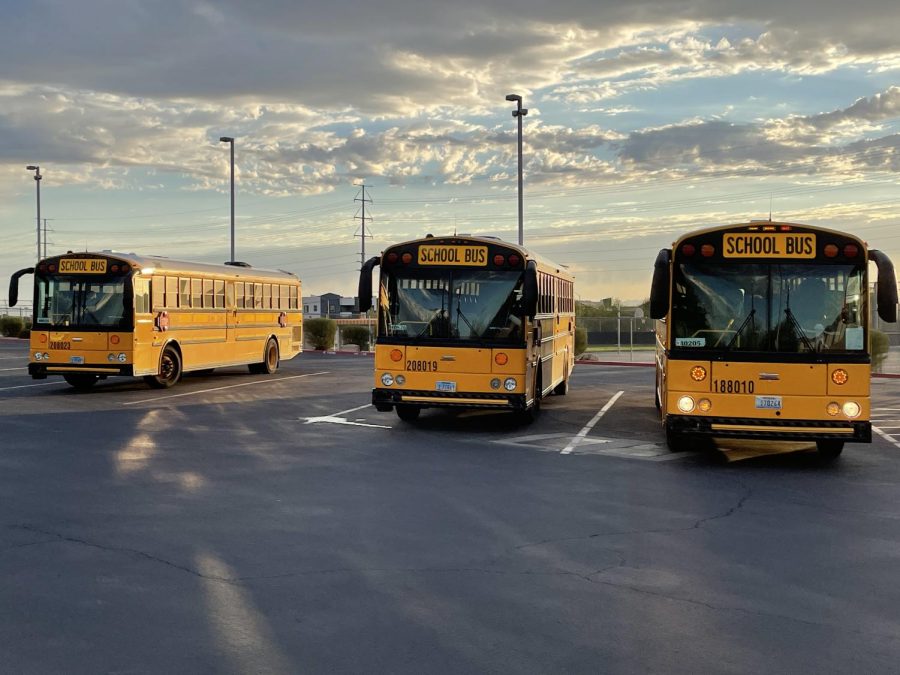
point(121, 356)
point(685, 404)
point(833, 408)
point(401, 380)
point(510, 384)
point(38, 356)
point(387, 380)
point(704, 404)
point(110, 357)
point(852, 409)
point(495, 383)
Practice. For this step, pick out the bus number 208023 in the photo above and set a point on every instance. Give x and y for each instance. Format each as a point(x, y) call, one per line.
point(422, 366)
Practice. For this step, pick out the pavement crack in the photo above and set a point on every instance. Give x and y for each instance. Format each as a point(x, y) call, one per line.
point(57, 536)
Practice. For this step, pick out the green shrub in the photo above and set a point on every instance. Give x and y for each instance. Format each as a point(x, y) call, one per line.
point(25, 334)
point(580, 340)
point(320, 333)
point(356, 335)
point(881, 344)
point(11, 326)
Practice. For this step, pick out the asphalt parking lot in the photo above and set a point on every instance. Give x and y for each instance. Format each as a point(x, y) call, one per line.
point(279, 524)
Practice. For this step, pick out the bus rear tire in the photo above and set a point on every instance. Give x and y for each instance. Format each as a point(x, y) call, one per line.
point(81, 382)
point(677, 442)
point(408, 413)
point(829, 449)
point(270, 361)
point(169, 370)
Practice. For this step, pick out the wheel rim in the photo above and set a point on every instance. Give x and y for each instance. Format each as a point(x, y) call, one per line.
point(168, 369)
point(272, 356)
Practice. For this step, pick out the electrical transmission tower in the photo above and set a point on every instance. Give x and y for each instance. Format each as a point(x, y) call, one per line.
point(362, 231)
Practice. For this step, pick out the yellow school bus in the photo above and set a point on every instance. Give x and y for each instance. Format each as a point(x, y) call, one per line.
point(470, 322)
point(763, 333)
point(98, 315)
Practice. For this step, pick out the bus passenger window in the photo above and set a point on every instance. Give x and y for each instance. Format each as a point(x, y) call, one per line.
point(239, 294)
point(220, 294)
point(209, 301)
point(184, 292)
point(172, 292)
point(196, 293)
point(257, 296)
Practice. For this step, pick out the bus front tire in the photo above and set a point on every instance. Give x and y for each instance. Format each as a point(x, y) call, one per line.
point(270, 361)
point(531, 414)
point(81, 382)
point(408, 413)
point(677, 442)
point(829, 449)
point(169, 370)
point(563, 387)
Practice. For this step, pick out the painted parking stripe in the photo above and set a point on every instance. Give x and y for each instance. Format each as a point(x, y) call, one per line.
point(337, 419)
point(887, 437)
point(590, 425)
point(230, 386)
point(25, 386)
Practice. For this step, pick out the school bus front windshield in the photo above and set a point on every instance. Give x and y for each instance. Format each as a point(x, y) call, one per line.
point(769, 307)
point(80, 302)
point(452, 304)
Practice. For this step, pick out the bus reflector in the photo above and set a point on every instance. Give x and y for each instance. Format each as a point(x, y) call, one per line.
point(704, 405)
point(698, 373)
point(688, 250)
point(114, 339)
point(43, 338)
point(851, 250)
point(840, 376)
point(830, 251)
point(707, 250)
point(499, 260)
point(501, 359)
point(396, 355)
point(833, 408)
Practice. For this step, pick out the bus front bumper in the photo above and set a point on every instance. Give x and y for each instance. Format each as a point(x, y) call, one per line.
point(775, 430)
point(385, 400)
point(40, 371)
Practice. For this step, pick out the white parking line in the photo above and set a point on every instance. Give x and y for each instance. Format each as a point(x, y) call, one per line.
point(25, 386)
point(887, 437)
point(3, 370)
point(230, 386)
point(590, 425)
point(337, 419)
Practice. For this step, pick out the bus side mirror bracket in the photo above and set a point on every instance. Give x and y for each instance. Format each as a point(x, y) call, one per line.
point(365, 283)
point(887, 286)
point(659, 289)
point(530, 290)
point(14, 285)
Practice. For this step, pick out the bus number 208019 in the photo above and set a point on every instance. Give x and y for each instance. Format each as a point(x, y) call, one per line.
point(422, 366)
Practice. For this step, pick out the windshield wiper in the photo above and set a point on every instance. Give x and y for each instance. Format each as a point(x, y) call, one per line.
point(741, 328)
point(798, 329)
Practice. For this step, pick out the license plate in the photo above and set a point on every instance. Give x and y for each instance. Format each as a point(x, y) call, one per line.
point(445, 386)
point(768, 402)
point(76, 359)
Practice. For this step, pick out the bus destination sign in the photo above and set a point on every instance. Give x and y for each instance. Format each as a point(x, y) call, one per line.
point(82, 266)
point(769, 245)
point(473, 256)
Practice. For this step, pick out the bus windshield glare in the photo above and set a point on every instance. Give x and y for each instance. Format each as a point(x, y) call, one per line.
point(769, 307)
point(81, 303)
point(457, 304)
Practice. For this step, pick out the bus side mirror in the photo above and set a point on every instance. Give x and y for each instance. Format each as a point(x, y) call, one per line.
point(887, 286)
point(365, 283)
point(14, 285)
point(659, 289)
point(530, 290)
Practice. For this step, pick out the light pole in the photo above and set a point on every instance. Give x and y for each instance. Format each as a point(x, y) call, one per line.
point(519, 113)
point(37, 182)
point(230, 140)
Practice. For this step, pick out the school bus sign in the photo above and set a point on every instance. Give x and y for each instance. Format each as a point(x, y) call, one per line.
point(769, 245)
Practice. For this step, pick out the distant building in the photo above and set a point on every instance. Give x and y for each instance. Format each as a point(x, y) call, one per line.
point(330, 305)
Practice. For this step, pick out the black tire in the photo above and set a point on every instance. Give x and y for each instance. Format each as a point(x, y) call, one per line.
point(81, 382)
point(830, 449)
point(408, 413)
point(271, 359)
point(656, 399)
point(531, 414)
point(169, 370)
point(563, 387)
point(677, 442)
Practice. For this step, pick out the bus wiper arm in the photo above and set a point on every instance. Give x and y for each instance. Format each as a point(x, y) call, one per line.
point(741, 328)
point(798, 329)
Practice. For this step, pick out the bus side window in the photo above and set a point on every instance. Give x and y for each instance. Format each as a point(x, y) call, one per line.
point(184, 288)
point(158, 285)
point(196, 293)
point(295, 300)
point(141, 296)
point(209, 300)
point(220, 294)
point(257, 296)
point(239, 294)
point(171, 292)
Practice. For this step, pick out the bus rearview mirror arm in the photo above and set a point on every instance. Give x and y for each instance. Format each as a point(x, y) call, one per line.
point(14, 285)
point(365, 283)
point(659, 288)
point(887, 286)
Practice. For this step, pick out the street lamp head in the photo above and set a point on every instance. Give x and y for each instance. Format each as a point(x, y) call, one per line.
point(226, 139)
point(513, 97)
point(32, 167)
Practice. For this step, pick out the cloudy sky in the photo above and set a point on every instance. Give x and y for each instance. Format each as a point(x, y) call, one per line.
point(646, 119)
